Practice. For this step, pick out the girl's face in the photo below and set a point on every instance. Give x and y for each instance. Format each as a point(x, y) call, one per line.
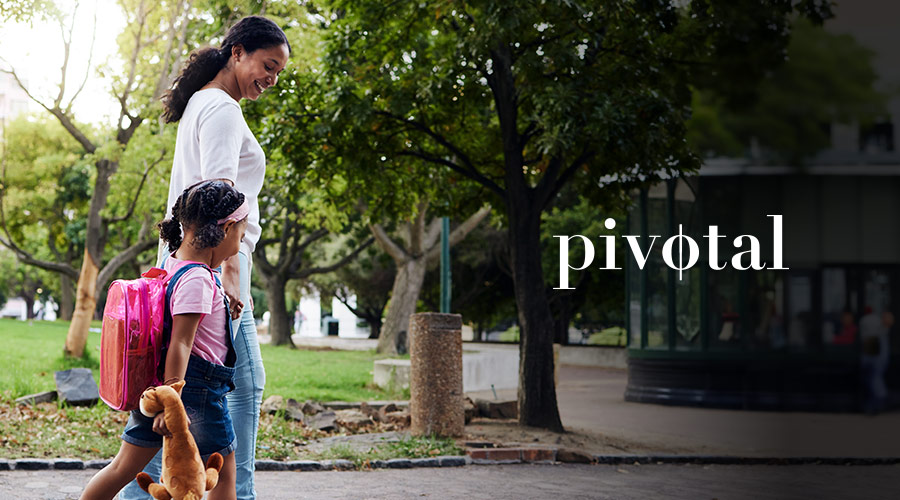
point(234, 235)
point(256, 71)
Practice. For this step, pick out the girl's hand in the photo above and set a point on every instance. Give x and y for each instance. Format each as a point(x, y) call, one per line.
point(159, 425)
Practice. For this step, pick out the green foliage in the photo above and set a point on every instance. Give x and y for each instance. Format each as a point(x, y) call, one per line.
point(827, 78)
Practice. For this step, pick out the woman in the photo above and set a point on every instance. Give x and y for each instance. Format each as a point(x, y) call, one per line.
point(214, 142)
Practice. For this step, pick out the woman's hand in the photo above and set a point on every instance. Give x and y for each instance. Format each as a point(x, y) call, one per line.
point(231, 283)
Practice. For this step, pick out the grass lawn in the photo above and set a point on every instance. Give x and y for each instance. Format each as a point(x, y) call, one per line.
point(34, 351)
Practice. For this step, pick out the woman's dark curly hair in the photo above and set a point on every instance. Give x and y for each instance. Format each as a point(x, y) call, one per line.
point(251, 32)
point(200, 207)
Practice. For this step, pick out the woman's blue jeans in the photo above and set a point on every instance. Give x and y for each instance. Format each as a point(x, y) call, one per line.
point(243, 402)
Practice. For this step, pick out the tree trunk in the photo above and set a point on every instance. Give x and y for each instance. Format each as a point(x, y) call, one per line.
point(404, 295)
point(67, 297)
point(374, 327)
point(279, 321)
point(562, 318)
point(85, 302)
point(29, 305)
point(537, 390)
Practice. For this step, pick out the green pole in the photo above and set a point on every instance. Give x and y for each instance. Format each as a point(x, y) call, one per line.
point(445, 264)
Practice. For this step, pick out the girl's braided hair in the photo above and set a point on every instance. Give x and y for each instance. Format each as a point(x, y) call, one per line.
point(200, 207)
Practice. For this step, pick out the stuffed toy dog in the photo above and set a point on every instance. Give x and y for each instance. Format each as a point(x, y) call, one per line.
point(183, 475)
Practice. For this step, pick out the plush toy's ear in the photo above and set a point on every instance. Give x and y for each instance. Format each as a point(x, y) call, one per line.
point(177, 386)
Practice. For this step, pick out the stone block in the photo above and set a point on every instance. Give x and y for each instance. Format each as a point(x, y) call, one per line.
point(5, 465)
point(378, 464)
point(77, 387)
point(270, 465)
point(324, 421)
point(469, 409)
point(96, 464)
point(574, 456)
point(496, 454)
point(67, 464)
point(272, 404)
point(538, 454)
point(342, 464)
point(352, 420)
point(303, 465)
point(294, 413)
point(391, 373)
point(312, 407)
point(32, 464)
point(399, 463)
point(452, 461)
point(40, 397)
point(497, 409)
point(425, 462)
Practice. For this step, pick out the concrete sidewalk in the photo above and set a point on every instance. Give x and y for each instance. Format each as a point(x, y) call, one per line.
point(517, 482)
point(592, 399)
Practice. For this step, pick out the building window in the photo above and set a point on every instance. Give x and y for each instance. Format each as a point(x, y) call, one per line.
point(877, 138)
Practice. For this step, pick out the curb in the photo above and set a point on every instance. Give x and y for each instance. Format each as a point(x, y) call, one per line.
point(504, 457)
point(736, 460)
point(37, 464)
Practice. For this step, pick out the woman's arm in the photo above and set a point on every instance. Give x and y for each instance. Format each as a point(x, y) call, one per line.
point(231, 283)
point(184, 327)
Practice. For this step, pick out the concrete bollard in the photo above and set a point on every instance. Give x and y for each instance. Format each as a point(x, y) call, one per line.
point(435, 379)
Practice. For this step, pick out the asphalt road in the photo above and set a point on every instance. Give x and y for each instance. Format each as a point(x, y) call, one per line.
point(526, 481)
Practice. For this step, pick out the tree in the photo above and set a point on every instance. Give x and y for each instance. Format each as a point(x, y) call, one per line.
point(44, 194)
point(482, 288)
point(422, 247)
point(368, 279)
point(149, 46)
point(525, 98)
point(828, 78)
point(291, 250)
point(27, 282)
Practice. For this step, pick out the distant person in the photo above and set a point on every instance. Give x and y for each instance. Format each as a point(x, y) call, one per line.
point(847, 335)
point(874, 335)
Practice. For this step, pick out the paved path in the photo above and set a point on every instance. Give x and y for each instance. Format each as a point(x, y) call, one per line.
point(527, 481)
point(592, 399)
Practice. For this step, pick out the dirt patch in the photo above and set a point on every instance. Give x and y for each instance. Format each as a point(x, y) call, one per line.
point(509, 433)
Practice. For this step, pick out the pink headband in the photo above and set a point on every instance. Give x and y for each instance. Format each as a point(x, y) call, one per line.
point(238, 215)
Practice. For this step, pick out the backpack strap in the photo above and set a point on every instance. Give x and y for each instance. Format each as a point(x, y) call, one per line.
point(231, 357)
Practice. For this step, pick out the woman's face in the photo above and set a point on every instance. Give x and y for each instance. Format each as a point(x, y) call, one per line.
point(256, 71)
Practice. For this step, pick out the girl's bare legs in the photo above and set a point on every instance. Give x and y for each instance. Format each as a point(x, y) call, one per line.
point(128, 462)
point(224, 489)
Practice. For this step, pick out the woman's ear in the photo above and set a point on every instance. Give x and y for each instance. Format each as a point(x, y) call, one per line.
point(228, 225)
point(237, 51)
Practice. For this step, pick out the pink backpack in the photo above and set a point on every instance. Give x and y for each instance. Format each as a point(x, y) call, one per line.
point(136, 323)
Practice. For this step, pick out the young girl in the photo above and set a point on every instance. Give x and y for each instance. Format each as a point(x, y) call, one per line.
point(213, 217)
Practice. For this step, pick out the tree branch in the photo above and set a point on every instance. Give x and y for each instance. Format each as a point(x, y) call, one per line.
point(55, 111)
point(87, 69)
point(144, 243)
point(387, 244)
point(584, 157)
point(460, 232)
point(327, 269)
point(140, 188)
point(471, 174)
